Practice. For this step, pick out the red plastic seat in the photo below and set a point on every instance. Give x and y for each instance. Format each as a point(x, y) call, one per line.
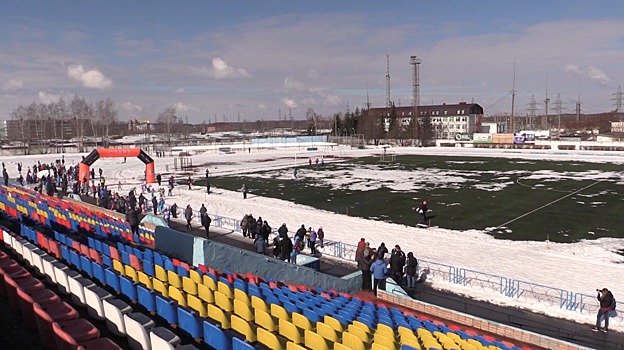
point(55, 249)
point(456, 328)
point(65, 341)
point(95, 255)
point(508, 344)
point(114, 254)
point(46, 332)
point(3, 256)
point(202, 268)
point(135, 263)
point(470, 332)
point(440, 323)
point(489, 338)
point(84, 250)
point(57, 311)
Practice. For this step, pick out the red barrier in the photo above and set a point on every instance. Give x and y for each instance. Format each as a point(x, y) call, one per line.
point(84, 168)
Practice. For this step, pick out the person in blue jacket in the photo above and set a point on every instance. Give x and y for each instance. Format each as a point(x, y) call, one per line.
point(379, 270)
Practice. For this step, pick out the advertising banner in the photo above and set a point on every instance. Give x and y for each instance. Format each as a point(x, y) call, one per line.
point(463, 137)
point(483, 138)
point(518, 138)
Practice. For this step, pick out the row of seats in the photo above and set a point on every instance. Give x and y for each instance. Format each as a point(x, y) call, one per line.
point(141, 273)
point(101, 305)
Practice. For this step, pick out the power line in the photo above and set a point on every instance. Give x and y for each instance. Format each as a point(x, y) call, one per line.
point(494, 104)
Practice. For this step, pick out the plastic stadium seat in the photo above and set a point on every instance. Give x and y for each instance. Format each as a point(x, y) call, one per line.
point(76, 288)
point(189, 286)
point(112, 280)
point(302, 322)
point(265, 320)
point(270, 340)
point(225, 289)
point(382, 340)
point(80, 329)
point(327, 332)
point(128, 288)
point(293, 346)
point(291, 332)
point(66, 341)
point(146, 298)
point(205, 293)
point(209, 281)
point(239, 344)
point(311, 315)
point(216, 337)
point(166, 309)
point(259, 304)
point(189, 322)
point(93, 299)
point(162, 338)
point(197, 305)
point(137, 327)
point(114, 309)
point(334, 323)
point(243, 311)
point(219, 316)
point(148, 268)
point(119, 267)
point(352, 341)
point(177, 295)
point(43, 296)
point(223, 302)
point(381, 347)
point(174, 279)
point(246, 329)
point(314, 341)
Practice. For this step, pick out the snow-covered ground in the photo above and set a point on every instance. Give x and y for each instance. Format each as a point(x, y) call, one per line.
point(578, 267)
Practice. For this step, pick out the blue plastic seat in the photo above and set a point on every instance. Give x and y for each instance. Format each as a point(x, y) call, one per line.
point(167, 309)
point(121, 247)
point(158, 260)
point(148, 255)
point(74, 258)
point(367, 321)
point(216, 337)
point(125, 258)
point(310, 303)
point(91, 242)
point(98, 272)
point(240, 284)
point(224, 280)
point(85, 264)
point(146, 298)
point(112, 279)
point(65, 253)
point(254, 292)
point(190, 322)
point(181, 271)
point(272, 299)
point(137, 253)
point(283, 299)
point(148, 268)
point(301, 305)
point(107, 261)
point(99, 246)
point(328, 308)
point(311, 315)
point(239, 344)
point(128, 287)
point(106, 250)
point(169, 266)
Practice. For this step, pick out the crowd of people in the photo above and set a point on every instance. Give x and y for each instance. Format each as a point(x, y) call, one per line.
point(373, 263)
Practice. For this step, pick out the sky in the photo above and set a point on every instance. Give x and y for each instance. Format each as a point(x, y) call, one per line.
point(256, 59)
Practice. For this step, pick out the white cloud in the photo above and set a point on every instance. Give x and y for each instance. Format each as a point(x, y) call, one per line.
point(184, 108)
point(48, 98)
point(330, 100)
point(221, 70)
point(178, 91)
point(93, 79)
point(291, 83)
point(289, 102)
point(129, 106)
point(595, 74)
point(262, 106)
point(308, 101)
point(313, 73)
point(12, 84)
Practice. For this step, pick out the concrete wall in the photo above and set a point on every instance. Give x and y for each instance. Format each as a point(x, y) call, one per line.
point(197, 250)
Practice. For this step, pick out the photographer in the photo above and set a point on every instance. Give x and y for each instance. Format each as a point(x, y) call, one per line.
point(606, 305)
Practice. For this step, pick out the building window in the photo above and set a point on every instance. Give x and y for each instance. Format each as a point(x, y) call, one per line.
point(445, 112)
point(462, 111)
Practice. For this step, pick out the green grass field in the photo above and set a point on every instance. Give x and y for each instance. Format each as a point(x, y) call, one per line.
point(527, 199)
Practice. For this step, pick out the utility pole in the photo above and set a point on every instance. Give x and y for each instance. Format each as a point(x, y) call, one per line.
point(238, 116)
point(279, 114)
point(618, 100)
point(513, 100)
point(415, 62)
point(387, 80)
point(532, 109)
point(558, 108)
point(292, 121)
point(367, 98)
point(546, 102)
point(578, 107)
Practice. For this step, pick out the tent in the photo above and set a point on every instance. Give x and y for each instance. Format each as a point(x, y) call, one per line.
point(154, 220)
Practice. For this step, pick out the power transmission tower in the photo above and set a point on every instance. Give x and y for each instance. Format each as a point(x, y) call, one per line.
point(618, 100)
point(558, 108)
point(368, 105)
point(532, 111)
point(387, 80)
point(292, 120)
point(546, 102)
point(239, 116)
point(578, 104)
point(279, 115)
point(415, 62)
point(513, 101)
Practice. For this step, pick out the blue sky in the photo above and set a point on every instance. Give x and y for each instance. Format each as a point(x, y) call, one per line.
point(259, 57)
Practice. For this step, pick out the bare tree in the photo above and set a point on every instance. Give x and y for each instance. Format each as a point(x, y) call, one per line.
point(80, 114)
point(168, 123)
point(21, 115)
point(107, 115)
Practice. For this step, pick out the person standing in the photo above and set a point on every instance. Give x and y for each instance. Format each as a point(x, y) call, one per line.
point(207, 186)
point(155, 205)
point(320, 236)
point(158, 179)
point(244, 190)
point(379, 270)
point(205, 221)
point(381, 251)
point(397, 261)
point(174, 210)
point(607, 303)
point(132, 216)
point(301, 232)
point(5, 176)
point(188, 215)
point(412, 267)
point(360, 249)
point(277, 248)
point(422, 211)
point(365, 265)
point(296, 249)
point(190, 182)
point(244, 225)
point(312, 241)
point(283, 231)
point(260, 244)
point(286, 247)
point(207, 173)
point(203, 210)
point(167, 216)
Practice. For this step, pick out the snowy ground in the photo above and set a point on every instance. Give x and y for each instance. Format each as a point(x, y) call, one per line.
point(578, 267)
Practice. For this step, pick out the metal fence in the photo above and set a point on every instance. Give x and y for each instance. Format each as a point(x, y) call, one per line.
point(533, 293)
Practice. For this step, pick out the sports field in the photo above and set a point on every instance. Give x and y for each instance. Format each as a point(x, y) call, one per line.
point(512, 199)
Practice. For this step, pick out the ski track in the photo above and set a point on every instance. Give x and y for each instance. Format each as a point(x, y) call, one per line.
point(579, 267)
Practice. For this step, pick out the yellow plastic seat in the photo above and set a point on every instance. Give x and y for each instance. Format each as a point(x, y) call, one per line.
point(160, 273)
point(381, 339)
point(225, 289)
point(376, 346)
point(362, 326)
point(334, 323)
point(302, 322)
point(292, 346)
point(474, 342)
point(174, 279)
point(195, 276)
point(243, 311)
point(244, 328)
point(223, 302)
point(210, 283)
point(197, 304)
point(160, 287)
point(241, 296)
point(119, 267)
point(206, 294)
point(144, 279)
point(189, 286)
point(270, 340)
point(454, 336)
point(327, 332)
point(177, 295)
point(131, 273)
point(386, 330)
point(423, 332)
point(259, 304)
point(429, 343)
point(314, 341)
point(360, 333)
point(279, 312)
point(338, 346)
point(264, 320)
point(352, 341)
point(290, 331)
point(403, 331)
point(411, 342)
point(218, 315)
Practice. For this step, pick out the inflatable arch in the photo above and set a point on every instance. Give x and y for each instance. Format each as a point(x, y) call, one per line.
point(98, 153)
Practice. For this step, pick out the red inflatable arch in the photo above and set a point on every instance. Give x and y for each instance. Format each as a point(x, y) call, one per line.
point(98, 153)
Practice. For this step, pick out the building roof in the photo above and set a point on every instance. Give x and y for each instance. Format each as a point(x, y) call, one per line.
point(451, 109)
point(220, 124)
